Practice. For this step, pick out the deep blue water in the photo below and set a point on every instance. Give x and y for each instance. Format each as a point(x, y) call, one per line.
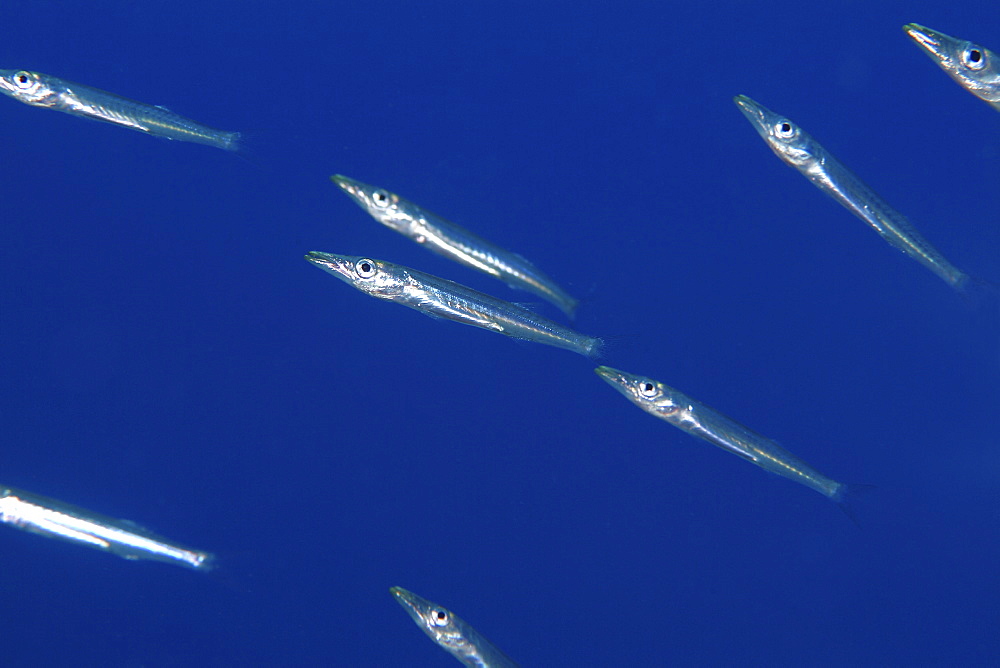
point(170, 358)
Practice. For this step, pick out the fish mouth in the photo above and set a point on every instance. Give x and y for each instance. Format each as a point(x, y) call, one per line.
point(754, 111)
point(6, 85)
point(612, 376)
point(625, 383)
point(346, 183)
point(355, 189)
point(338, 265)
point(412, 603)
point(930, 40)
point(399, 593)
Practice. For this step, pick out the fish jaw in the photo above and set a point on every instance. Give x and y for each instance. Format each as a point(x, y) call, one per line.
point(932, 42)
point(340, 266)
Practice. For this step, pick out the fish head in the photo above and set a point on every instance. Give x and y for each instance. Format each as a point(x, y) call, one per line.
point(386, 207)
point(374, 277)
point(788, 141)
point(437, 622)
point(976, 69)
point(28, 87)
point(650, 395)
point(8, 505)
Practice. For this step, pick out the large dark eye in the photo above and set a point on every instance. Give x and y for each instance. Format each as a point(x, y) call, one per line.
point(23, 79)
point(380, 198)
point(440, 617)
point(784, 130)
point(648, 389)
point(974, 58)
point(366, 268)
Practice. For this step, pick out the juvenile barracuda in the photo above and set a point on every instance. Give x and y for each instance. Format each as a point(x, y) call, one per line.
point(976, 69)
point(454, 242)
point(42, 90)
point(440, 298)
point(55, 519)
point(452, 633)
point(710, 425)
point(797, 149)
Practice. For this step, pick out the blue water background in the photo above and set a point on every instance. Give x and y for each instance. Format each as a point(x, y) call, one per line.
point(168, 356)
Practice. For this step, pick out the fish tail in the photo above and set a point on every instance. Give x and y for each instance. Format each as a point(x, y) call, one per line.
point(846, 496)
point(209, 562)
point(569, 308)
point(594, 348)
point(233, 141)
point(246, 146)
point(980, 296)
point(573, 305)
point(977, 292)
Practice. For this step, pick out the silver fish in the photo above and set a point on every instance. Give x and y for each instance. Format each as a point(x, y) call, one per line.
point(452, 633)
point(710, 425)
point(454, 242)
point(42, 90)
point(440, 298)
point(799, 150)
point(976, 69)
point(55, 519)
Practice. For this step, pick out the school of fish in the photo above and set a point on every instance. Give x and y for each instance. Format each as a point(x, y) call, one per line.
point(973, 67)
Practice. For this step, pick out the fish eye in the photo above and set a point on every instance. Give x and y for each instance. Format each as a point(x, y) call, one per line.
point(440, 617)
point(366, 268)
point(974, 58)
point(23, 79)
point(648, 389)
point(380, 198)
point(784, 130)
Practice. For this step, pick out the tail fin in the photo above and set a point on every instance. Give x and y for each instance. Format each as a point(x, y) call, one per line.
point(595, 349)
point(979, 294)
point(232, 141)
point(246, 145)
point(232, 573)
point(569, 308)
point(587, 299)
point(846, 495)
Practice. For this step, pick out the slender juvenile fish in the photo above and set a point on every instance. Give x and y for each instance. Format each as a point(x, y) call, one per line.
point(976, 69)
point(799, 150)
point(454, 242)
point(452, 633)
point(440, 298)
point(708, 424)
point(55, 519)
point(42, 90)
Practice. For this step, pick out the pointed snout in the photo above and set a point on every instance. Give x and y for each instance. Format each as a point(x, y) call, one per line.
point(930, 40)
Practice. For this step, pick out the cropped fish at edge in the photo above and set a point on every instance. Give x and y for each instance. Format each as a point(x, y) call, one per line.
point(47, 517)
point(454, 242)
point(441, 298)
point(976, 69)
point(451, 633)
point(48, 92)
point(708, 424)
point(799, 150)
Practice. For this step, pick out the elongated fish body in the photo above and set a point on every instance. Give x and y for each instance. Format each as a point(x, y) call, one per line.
point(55, 519)
point(451, 633)
point(976, 69)
point(799, 150)
point(440, 298)
point(42, 90)
point(454, 242)
point(710, 425)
